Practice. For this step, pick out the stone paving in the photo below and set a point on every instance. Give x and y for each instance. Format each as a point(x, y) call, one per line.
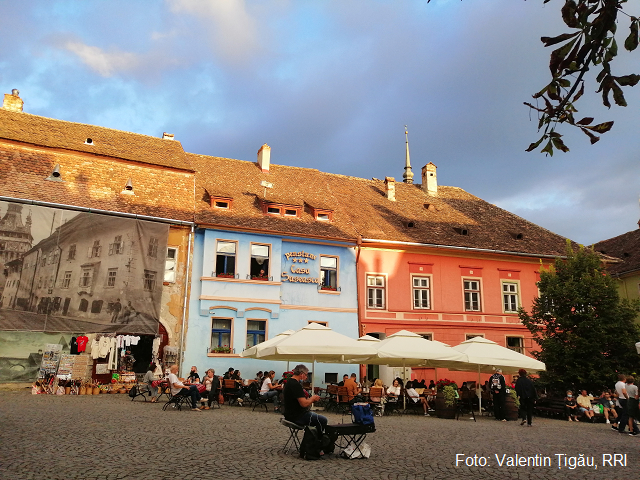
point(109, 437)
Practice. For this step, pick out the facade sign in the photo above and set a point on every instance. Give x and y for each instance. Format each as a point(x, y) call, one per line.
point(300, 258)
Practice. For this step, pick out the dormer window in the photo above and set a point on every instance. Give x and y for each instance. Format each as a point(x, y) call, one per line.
point(461, 231)
point(88, 141)
point(517, 235)
point(222, 203)
point(280, 209)
point(322, 215)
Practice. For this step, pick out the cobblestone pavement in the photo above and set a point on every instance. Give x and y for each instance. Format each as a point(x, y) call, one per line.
point(109, 437)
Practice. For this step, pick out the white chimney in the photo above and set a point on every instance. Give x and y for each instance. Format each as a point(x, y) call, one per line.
point(430, 179)
point(390, 188)
point(12, 101)
point(167, 136)
point(264, 158)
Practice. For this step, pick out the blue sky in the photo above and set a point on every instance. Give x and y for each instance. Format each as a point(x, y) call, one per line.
point(330, 85)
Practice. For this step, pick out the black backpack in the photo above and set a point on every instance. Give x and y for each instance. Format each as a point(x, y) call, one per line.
point(311, 444)
point(133, 391)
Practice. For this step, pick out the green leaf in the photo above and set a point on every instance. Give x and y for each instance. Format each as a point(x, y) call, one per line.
point(612, 51)
point(631, 43)
point(559, 144)
point(548, 149)
point(558, 55)
point(601, 127)
point(533, 146)
point(628, 80)
point(564, 82)
point(548, 41)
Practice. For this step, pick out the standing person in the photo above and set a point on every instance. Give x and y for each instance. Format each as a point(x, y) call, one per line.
point(498, 388)
point(621, 390)
point(177, 387)
point(296, 403)
point(526, 391)
point(115, 311)
point(632, 405)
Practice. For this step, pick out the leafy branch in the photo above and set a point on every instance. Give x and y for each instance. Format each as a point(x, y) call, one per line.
point(592, 43)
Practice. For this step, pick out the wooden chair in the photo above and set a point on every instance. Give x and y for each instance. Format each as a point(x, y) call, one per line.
point(229, 391)
point(376, 396)
point(343, 403)
point(464, 405)
point(332, 397)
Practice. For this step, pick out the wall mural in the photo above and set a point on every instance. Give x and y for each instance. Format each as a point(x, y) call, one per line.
point(72, 273)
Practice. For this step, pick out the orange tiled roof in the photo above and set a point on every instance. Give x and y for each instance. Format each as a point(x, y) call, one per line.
point(626, 247)
point(361, 209)
point(49, 132)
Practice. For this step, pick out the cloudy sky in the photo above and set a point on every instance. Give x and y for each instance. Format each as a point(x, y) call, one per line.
point(330, 85)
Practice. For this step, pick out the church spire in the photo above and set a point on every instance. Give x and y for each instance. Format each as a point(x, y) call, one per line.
point(408, 174)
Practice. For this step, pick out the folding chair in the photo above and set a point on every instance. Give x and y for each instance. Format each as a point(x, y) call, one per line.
point(293, 439)
point(464, 405)
point(141, 390)
point(350, 434)
point(256, 399)
point(178, 400)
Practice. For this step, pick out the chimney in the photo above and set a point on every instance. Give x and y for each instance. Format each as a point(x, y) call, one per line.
point(167, 136)
point(430, 179)
point(12, 101)
point(264, 158)
point(390, 188)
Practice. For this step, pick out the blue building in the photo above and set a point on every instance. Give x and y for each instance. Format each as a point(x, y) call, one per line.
point(272, 252)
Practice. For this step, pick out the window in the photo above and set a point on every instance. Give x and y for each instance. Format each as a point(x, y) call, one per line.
point(375, 291)
point(153, 248)
point(426, 336)
point(117, 247)
point(56, 256)
point(516, 344)
point(290, 212)
point(323, 217)
point(422, 292)
point(329, 273)
point(149, 280)
point(255, 332)
point(221, 336)
point(221, 204)
point(96, 306)
point(472, 295)
point(273, 210)
point(322, 214)
point(72, 252)
point(66, 280)
point(84, 305)
point(94, 251)
point(469, 336)
point(259, 262)
point(86, 278)
point(324, 324)
point(226, 259)
point(170, 265)
point(510, 297)
point(330, 378)
point(112, 273)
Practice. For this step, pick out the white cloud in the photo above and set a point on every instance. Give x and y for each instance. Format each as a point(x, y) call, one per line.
point(233, 32)
point(105, 64)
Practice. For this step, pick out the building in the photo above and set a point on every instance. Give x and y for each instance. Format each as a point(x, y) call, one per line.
point(626, 248)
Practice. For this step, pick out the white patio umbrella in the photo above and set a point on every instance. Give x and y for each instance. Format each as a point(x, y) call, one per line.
point(408, 349)
point(486, 356)
point(315, 343)
point(252, 352)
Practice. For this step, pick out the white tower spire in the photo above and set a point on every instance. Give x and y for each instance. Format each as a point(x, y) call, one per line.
point(408, 174)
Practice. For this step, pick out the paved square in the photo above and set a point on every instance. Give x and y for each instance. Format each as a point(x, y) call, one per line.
point(109, 437)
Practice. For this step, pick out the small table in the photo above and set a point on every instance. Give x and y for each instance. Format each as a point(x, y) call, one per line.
point(353, 433)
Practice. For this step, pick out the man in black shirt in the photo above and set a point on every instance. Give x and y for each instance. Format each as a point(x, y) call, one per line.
point(297, 403)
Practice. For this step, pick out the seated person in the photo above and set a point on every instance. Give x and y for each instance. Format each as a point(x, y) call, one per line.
point(193, 376)
point(148, 379)
point(571, 407)
point(229, 374)
point(584, 405)
point(393, 392)
point(344, 378)
point(297, 403)
point(239, 383)
point(352, 390)
point(415, 397)
point(608, 408)
point(432, 385)
point(177, 387)
point(212, 387)
point(271, 390)
point(259, 377)
point(464, 387)
point(377, 383)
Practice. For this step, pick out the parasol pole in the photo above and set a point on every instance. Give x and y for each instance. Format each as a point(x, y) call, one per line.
point(479, 393)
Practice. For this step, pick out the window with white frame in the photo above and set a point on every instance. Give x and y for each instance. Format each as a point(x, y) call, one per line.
point(94, 250)
point(112, 273)
point(87, 277)
point(66, 280)
point(259, 268)
point(472, 295)
point(221, 335)
point(72, 252)
point(422, 292)
point(225, 259)
point(329, 272)
point(510, 297)
point(170, 265)
point(375, 291)
point(516, 344)
point(117, 247)
point(255, 332)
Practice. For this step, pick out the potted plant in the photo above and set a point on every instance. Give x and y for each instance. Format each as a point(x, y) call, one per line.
point(221, 349)
point(446, 398)
point(225, 275)
point(512, 405)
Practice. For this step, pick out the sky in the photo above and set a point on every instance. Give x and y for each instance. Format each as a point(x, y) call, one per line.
point(331, 85)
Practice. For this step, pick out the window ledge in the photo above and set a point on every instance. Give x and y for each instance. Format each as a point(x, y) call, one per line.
point(236, 355)
point(329, 292)
point(238, 280)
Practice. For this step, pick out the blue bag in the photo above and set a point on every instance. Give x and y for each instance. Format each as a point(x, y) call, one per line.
point(362, 413)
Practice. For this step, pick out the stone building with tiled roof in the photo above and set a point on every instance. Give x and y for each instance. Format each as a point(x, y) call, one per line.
point(626, 248)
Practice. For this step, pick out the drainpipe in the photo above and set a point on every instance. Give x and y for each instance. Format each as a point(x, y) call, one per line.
point(363, 369)
point(187, 289)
